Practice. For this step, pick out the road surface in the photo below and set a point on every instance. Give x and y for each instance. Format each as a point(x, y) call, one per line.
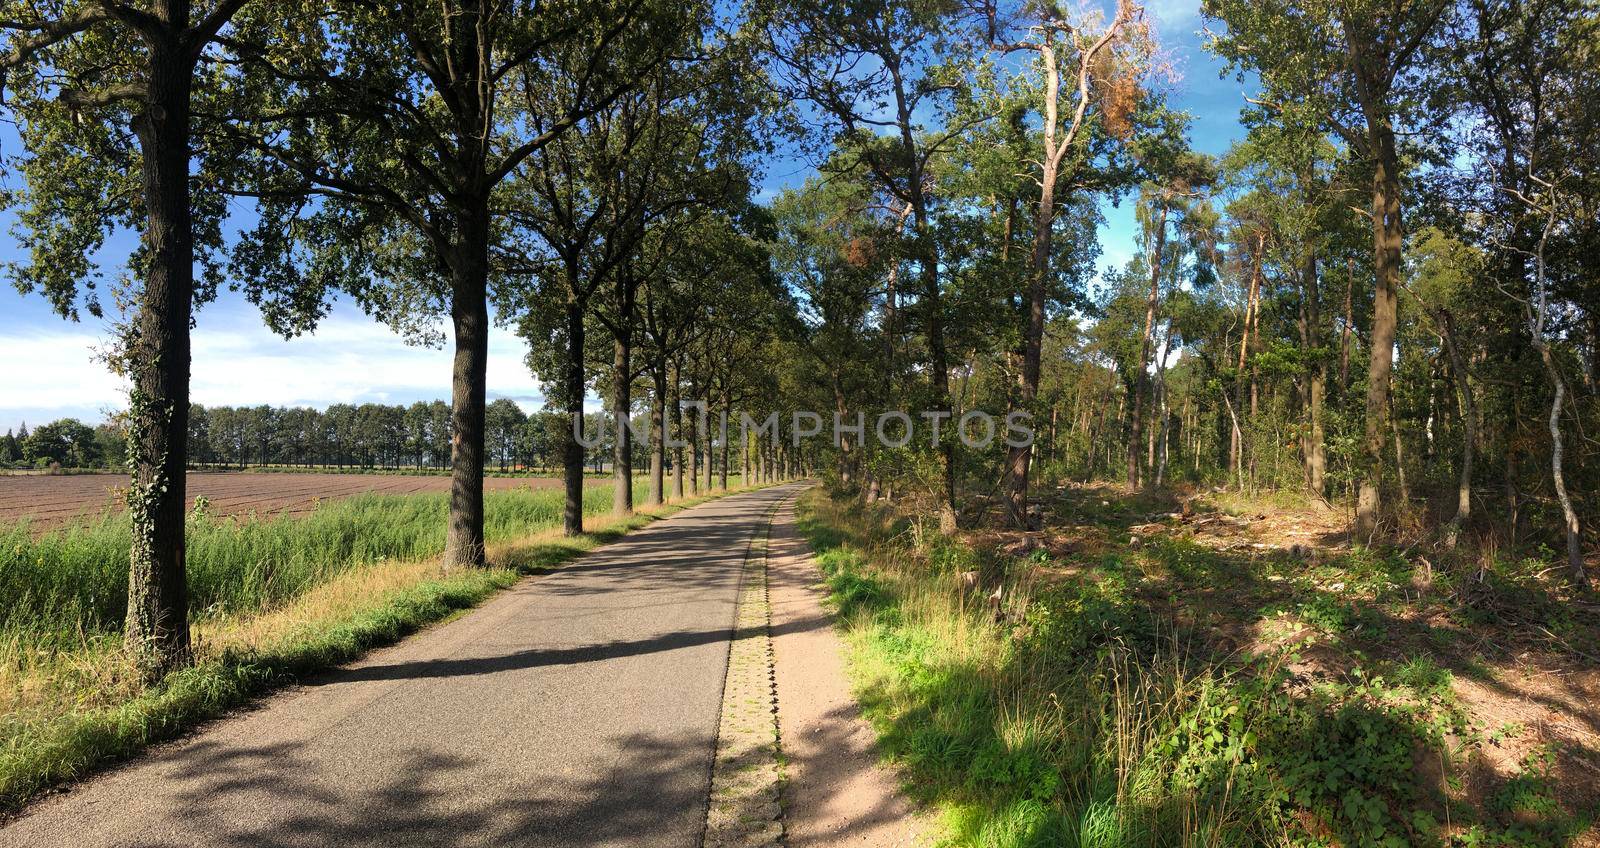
point(578, 708)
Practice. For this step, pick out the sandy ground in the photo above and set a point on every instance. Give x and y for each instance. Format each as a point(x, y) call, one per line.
point(835, 792)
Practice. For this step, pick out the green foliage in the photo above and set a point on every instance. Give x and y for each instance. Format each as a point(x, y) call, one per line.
point(65, 443)
point(1081, 616)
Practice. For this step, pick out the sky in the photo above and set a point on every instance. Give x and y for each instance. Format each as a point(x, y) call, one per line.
point(49, 368)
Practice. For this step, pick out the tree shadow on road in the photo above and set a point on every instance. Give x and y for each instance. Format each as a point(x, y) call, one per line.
point(277, 796)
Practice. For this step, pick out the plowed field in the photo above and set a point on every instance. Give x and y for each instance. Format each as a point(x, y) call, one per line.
point(49, 501)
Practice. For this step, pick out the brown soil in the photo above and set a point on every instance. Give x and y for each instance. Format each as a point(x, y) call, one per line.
point(48, 501)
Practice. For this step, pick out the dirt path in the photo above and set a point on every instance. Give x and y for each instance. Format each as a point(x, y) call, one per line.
point(835, 792)
point(579, 708)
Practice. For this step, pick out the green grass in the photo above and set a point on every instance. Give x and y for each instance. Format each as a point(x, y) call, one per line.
point(68, 587)
point(40, 752)
point(274, 599)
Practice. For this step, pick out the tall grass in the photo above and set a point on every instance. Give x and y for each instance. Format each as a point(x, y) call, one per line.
point(68, 587)
point(1066, 731)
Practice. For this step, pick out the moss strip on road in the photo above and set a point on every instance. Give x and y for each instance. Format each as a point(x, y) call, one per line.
point(743, 811)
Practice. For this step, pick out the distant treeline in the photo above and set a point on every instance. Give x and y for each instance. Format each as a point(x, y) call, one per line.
point(368, 435)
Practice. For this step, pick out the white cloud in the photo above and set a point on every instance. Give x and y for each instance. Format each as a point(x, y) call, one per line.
point(54, 370)
point(1173, 15)
point(350, 359)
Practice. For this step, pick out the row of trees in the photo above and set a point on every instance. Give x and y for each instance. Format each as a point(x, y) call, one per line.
point(383, 436)
point(437, 162)
point(358, 436)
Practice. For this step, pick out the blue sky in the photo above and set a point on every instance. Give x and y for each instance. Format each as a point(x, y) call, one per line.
point(50, 370)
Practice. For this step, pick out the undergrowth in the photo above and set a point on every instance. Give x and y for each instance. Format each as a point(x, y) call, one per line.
point(1079, 712)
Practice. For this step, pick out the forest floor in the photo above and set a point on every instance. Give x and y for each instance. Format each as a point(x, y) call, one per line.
point(1198, 668)
point(1504, 649)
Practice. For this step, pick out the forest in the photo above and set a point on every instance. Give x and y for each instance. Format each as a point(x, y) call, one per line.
point(1375, 315)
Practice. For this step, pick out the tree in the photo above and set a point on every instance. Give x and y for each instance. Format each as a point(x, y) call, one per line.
point(828, 255)
point(106, 94)
point(884, 75)
point(1446, 268)
point(1101, 75)
point(653, 161)
point(1290, 170)
point(392, 117)
point(1527, 74)
point(1164, 200)
point(504, 424)
point(67, 442)
point(1361, 70)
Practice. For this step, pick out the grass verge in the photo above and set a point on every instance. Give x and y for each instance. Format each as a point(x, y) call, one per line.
point(71, 704)
point(1090, 707)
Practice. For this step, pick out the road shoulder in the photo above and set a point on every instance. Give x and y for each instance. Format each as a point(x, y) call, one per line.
point(835, 791)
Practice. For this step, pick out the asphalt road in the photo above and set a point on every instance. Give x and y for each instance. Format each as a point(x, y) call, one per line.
point(578, 708)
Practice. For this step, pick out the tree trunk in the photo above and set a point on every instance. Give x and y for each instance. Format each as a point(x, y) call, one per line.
point(938, 365)
point(1349, 327)
point(1387, 236)
point(1136, 422)
point(621, 410)
point(727, 415)
point(1020, 458)
point(1251, 309)
point(845, 456)
point(745, 479)
point(156, 633)
point(1399, 457)
point(1315, 453)
point(1536, 325)
point(658, 434)
point(692, 438)
point(1574, 530)
point(1469, 425)
point(676, 407)
point(1513, 495)
point(469, 311)
point(710, 455)
point(572, 393)
point(1158, 444)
